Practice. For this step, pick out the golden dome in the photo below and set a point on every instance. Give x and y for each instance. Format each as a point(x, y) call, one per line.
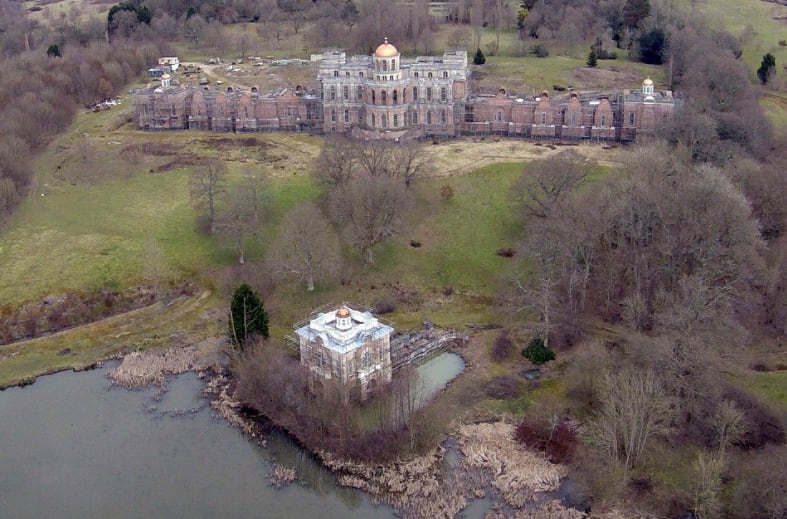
point(648, 82)
point(386, 50)
point(342, 312)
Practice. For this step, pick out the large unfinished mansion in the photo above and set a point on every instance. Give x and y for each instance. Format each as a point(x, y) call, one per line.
point(386, 96)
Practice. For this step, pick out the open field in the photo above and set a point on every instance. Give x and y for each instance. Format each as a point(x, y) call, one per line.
point(760, 24)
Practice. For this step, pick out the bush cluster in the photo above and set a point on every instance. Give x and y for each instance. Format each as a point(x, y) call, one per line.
point(558, 441)
point(537, 353)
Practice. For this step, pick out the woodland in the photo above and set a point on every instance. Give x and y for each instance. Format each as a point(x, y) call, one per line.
point(656, 279)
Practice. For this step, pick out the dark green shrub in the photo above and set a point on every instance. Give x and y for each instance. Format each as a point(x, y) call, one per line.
point(537, 353)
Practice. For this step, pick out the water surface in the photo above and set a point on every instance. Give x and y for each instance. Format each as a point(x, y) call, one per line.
point(72, 447)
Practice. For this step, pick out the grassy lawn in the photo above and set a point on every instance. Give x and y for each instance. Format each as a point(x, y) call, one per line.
point(764, 33)
point(771, 386)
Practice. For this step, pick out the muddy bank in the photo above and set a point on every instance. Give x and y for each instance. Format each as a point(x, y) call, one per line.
point(489, 464)
point(58, 312)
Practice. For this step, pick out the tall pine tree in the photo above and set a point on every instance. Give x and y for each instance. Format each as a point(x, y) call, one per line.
point(592, 58)
point(767, 68)
point(247, 316)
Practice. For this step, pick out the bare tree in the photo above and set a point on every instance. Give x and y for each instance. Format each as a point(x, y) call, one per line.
point(239, 215)
point(547, 182)
point(411, 161)
point(706, 485)
point(729, 421)
point(206, 183)
point(377, 159)
point(307, 247)
point(338, 160)
point(635, 407)
point(368, 211)
point(193, 29)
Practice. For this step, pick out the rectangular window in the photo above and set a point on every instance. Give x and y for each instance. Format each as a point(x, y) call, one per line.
point(428, 93)
point(442, 117)
point(346, 92)
point(333, 93)
point(347, 116)
point(288, 111)
point(415, 117)
point(396, 121)
point(631, 119)
point(443, 94)
point(428, 117)
point(333, 115)
point(415, 93)
point(359, 93)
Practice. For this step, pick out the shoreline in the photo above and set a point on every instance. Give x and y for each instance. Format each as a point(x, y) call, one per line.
point(477, 461)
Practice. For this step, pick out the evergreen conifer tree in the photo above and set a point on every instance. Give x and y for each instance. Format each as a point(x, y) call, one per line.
point(767, 68)
point(247, 316)
point(592, 59)
point(479, 58)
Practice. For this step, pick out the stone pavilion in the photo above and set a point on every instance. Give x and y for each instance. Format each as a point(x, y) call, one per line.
point(347, 346)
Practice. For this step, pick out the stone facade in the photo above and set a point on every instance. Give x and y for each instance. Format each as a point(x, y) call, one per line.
point(347, 346)
point(386, 96)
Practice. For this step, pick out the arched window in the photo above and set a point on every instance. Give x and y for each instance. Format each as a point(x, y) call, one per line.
point(415, 93)
point(415, 117)
point(335, 73)
point(384, 121)
point(543, 118)
point(385, 66)
point(445, 73)
point(396, 121)
point(430, 75)
point(416, 74)
point(366, 360)
point(347, 74)
point(390, 78)
point(374, 100)
point(443, 94)
point(429, 117)
point(395, 97)
point(499, 116)
point(384, 97)
point(359, 93)
point(603, 120)
point(393, 65)
point(360, 74)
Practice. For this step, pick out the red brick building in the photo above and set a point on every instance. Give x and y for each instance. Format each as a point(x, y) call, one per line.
point(386, 96)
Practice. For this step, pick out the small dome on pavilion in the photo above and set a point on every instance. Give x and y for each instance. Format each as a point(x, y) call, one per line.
point(386, 50)
point(342, 312)
point(648, 82)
